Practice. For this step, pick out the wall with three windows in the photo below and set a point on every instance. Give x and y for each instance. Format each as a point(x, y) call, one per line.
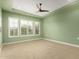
point(17, 27)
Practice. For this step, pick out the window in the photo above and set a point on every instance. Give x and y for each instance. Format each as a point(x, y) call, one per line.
point(37, 27)
point(13, 26)
point(20, 27)
point(30, 28)
point(23, 27)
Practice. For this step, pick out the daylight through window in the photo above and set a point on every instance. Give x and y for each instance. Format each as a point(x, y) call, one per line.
point(21, 27)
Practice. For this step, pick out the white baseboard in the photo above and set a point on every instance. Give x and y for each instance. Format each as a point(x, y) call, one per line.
point(21, 41)
point(69, 44)
point(65, 43)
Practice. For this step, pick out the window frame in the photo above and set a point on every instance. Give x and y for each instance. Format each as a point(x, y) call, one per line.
point(19, 28)
point(39, 29)
point(9, 27)
point(32, 29)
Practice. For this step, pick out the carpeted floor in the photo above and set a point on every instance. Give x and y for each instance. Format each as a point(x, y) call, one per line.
point(39, 49)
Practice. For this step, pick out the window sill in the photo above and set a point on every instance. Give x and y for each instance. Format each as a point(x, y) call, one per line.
point(23, 36)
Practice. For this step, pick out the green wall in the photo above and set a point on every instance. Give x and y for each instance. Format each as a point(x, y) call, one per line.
point(63, 24)
point(5, 15)
point(0, 26)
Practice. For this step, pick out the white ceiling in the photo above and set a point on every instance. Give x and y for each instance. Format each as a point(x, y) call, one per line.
point(30, 5)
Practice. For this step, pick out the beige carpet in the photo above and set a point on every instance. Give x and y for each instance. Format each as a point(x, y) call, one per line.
point(39, 49)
